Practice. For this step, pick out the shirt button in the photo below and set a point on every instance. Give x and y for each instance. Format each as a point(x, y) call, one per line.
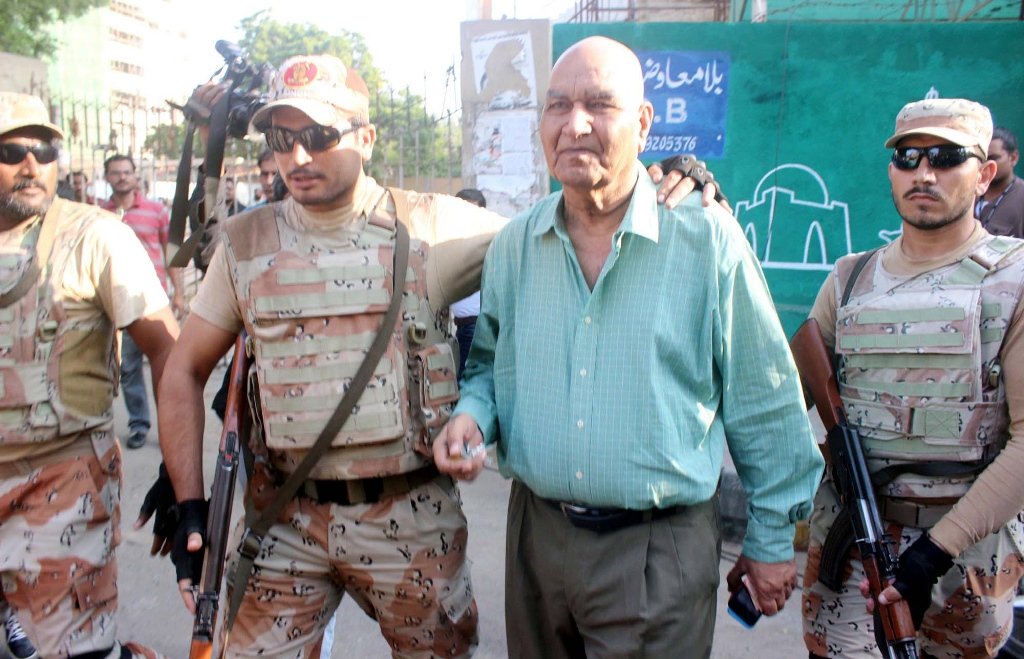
point(587, 320)
point(583, 372)
point(579, 424)
point(579, 475)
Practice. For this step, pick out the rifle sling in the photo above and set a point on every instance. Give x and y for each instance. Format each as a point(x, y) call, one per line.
point(179, 207)
point(218, 138)
point(256, 529)
point(886, 475)
point(858, 267)
point(836, 548)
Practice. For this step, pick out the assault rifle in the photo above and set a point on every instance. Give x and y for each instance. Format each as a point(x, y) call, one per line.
point(236, 426)
point(853, 482)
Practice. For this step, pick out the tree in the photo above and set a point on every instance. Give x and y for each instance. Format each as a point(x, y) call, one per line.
point(410, 141)
point(22, 28)
point(167, 141)
point(267, 40)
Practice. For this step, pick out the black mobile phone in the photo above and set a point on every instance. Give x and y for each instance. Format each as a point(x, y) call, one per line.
point(741, 607)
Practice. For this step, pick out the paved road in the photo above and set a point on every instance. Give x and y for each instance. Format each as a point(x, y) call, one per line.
point(151, 611)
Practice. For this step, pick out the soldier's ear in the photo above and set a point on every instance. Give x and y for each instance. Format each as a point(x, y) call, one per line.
point(986, 173)
point(367, 137)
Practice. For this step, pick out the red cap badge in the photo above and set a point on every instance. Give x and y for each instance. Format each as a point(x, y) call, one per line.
point(299, 74)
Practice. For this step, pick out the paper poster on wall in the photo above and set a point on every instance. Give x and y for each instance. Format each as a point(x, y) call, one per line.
point(506, 159)
point(503, 142)
point(690, 94)
point(503, 69)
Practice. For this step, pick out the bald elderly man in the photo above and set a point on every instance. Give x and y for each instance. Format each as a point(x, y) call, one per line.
point(614, 412)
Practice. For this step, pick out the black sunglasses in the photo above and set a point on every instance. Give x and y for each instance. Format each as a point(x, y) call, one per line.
point(12, 154)
point(942, 156)
point(313, 138)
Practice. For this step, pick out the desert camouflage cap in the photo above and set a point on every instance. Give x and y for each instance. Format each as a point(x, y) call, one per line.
point(22, 111)
point(956, 120)
point(321, 86)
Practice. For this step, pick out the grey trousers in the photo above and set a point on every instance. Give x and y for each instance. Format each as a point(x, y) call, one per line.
point(648, 590)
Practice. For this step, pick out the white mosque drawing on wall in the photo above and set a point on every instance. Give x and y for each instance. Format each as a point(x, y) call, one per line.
point(792, 222)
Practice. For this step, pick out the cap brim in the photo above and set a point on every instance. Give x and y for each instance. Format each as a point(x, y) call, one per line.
point(57, 132)
point(322, 113)
point(953, 136)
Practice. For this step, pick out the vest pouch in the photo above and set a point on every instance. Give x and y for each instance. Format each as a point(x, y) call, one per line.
point(911, 373)
point(310, 336)
point(26, 414)
point(434, 385)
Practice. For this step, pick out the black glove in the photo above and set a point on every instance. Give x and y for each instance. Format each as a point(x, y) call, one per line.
point(192, 515)
point(920, 567)
point(160, 500)
point(690, 167)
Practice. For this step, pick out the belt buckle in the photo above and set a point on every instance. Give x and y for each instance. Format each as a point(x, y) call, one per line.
point(572, 509)
point(250, 544)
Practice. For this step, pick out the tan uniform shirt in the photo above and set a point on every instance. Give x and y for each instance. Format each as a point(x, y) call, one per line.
point(458, 233)
point(998, 494)
point(101, 271)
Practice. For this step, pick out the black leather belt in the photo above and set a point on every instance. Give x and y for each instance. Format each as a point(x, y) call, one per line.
point(366, 490)
point(466, 320)
point(604, 520)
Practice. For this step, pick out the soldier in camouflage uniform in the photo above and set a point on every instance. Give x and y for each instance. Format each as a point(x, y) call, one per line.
point(928, 335)
point(309, 279)
point(70, 276)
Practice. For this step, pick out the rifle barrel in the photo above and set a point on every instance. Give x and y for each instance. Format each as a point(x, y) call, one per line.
point(221, 498)
point(853, 483)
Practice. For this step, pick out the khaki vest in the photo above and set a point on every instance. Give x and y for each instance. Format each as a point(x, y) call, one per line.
point(56, 378)
point(919, 372)
point(312, 316)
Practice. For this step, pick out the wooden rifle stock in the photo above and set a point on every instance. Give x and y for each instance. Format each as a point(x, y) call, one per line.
point(856, 492)
point(222, 494)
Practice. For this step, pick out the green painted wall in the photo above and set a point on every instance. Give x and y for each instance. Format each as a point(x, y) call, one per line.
point(809, 107)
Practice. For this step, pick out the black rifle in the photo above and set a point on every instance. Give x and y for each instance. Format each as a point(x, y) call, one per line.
point(236, 426)
point(856, 492)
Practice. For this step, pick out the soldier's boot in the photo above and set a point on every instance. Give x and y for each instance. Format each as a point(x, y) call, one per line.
point(17, 642)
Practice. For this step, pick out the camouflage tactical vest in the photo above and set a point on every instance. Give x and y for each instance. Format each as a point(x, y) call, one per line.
point(56, 377)
point(919, 372)
point(311, 316)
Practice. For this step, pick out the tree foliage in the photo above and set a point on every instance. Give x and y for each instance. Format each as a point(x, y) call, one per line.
point(267, 40)
point(167, 141)
point(22, 28)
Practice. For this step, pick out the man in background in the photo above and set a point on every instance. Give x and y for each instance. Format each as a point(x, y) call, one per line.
point(80, 188)
point(230, 202)
point(1001, 207)
point(467, 309)
point(148, 219)
point(268, 169)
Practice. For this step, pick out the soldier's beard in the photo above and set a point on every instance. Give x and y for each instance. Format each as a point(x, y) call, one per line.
point(13, 209)
point(929, 221)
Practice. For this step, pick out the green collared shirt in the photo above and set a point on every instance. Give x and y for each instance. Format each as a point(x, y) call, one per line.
point(625, 396)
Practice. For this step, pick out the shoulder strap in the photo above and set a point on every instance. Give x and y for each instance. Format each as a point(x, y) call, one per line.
point(44, 245)
point(401, 204)
point(855, 274)
point(256, 529)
